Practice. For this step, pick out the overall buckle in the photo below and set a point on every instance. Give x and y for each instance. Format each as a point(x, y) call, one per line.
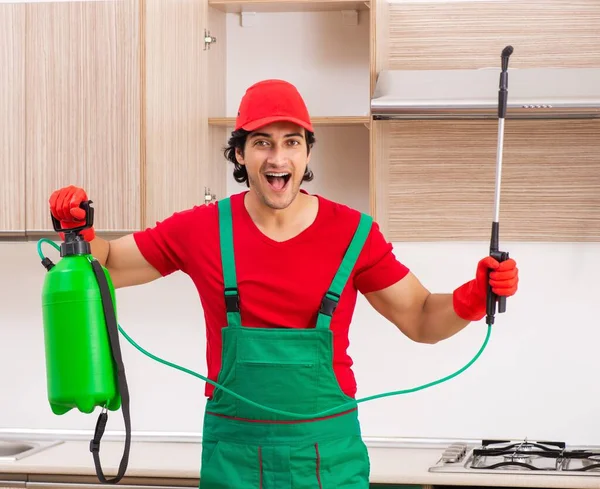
point(329, 304)
point(232, 299)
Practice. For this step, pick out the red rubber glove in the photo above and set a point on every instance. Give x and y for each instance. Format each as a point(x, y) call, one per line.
point(470, 299)
point(64, 206)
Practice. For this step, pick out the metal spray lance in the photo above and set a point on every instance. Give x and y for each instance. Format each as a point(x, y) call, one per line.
point(499, 256)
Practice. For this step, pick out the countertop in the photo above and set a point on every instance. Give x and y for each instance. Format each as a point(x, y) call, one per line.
point(404, 464)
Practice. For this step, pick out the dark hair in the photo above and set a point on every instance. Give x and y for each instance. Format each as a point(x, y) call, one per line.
point(237, 140)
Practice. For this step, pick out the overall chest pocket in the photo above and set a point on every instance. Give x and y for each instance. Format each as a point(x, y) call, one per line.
point(279, 369)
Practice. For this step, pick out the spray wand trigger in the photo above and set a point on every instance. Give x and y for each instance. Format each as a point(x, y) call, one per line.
point(495, 252)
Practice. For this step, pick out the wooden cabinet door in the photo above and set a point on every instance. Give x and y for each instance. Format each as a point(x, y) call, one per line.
point(12, 115)
point(83, 109)
point(177, 102)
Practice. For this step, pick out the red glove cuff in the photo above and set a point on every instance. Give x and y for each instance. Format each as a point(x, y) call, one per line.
point(468, 303)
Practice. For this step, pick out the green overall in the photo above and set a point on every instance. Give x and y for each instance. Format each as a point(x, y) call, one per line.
point(244, 446)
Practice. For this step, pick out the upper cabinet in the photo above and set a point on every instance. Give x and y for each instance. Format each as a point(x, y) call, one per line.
point(176, 164)
point(83, 109)
point(323, 48)
point(12, 115)
point(434, 179)
point(117, 103)
point(135, 100)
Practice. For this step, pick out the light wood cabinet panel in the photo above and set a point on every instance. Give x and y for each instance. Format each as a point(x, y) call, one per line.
point(459, 35)
point(438, 180)
point(178, 155)
point(378, 61)
point(12, 115)
point(216, 165)
point(83, 108)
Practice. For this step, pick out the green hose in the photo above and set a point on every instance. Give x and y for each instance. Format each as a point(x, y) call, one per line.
point(347, 405)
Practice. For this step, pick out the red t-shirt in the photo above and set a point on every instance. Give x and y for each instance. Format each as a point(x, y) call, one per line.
point(280, 283)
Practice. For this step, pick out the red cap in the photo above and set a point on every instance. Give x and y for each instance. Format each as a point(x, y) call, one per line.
point(270, 101)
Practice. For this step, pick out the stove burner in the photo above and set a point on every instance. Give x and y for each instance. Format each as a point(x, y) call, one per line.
point(591, 462)
point(518, 457)
point(521, 456)
point(526, 447)
point(533, 456)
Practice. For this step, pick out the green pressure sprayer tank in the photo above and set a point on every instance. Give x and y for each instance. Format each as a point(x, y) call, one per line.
point(84, 368)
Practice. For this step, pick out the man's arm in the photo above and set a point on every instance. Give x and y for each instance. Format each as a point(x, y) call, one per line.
point(122, 257)
point(428, 318)
point(422, 316)
point(124, 261)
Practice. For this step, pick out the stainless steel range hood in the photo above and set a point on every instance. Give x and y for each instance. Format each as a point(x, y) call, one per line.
point(533, 93)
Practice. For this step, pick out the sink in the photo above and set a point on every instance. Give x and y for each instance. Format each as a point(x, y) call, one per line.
point(12, 450)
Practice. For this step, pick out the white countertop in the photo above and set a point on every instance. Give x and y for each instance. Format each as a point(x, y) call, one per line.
point(406, 465)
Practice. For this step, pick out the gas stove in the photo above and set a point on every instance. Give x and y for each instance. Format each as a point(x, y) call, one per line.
point(524, 457)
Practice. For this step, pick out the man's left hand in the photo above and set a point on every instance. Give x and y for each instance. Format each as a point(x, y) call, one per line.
point(469, 299)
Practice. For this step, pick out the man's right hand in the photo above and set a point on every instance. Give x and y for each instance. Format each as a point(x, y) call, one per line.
point(64, 206)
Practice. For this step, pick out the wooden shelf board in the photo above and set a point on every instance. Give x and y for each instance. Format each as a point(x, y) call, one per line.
point(317, 121)
point(237, 6)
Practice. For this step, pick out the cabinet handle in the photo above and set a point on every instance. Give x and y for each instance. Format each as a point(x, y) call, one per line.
point(208, 39)
point(208, 197)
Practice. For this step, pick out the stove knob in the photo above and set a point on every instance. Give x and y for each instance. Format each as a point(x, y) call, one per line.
point(451, 457)
point(454, 453)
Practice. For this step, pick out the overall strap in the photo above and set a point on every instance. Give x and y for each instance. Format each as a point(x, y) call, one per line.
point(232, 297)
point(331, 298)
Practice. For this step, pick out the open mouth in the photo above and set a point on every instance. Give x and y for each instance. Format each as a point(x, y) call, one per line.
point(278, 180)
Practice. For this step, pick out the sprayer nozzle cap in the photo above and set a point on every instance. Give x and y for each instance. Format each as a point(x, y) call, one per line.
point(48, 263)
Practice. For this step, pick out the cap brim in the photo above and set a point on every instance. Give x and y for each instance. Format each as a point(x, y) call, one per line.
point(254, 125)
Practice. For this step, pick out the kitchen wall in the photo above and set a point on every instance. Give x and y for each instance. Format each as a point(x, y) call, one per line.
point(537, 377)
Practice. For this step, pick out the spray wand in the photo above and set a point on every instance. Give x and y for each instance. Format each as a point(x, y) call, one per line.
point(495, 253)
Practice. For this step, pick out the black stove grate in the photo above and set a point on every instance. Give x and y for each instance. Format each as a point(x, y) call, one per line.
point(515, 452)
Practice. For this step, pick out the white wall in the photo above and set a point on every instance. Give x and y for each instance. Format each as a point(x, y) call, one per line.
point(536, 379)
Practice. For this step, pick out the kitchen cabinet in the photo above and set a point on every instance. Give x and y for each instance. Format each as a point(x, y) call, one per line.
point(134, 101)
point(181, 86)
point(12, 115)
point(83, 109)
point(323, 48)
point(434, 179)
point(118, 98)
point(13, 481)
point(422, 180)
point(438, 190)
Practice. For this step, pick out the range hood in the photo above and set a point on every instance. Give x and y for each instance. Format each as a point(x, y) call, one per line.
point(533, 93)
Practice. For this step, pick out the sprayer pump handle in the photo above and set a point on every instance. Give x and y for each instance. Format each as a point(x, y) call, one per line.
point(89, 219)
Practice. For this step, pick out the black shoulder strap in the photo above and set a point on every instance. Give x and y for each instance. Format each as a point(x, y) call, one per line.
point(113, 334)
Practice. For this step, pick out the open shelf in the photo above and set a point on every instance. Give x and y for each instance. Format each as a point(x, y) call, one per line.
point(317, 121)
point(286, 5)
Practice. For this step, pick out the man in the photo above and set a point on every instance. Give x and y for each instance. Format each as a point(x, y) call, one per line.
point(278, 271)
